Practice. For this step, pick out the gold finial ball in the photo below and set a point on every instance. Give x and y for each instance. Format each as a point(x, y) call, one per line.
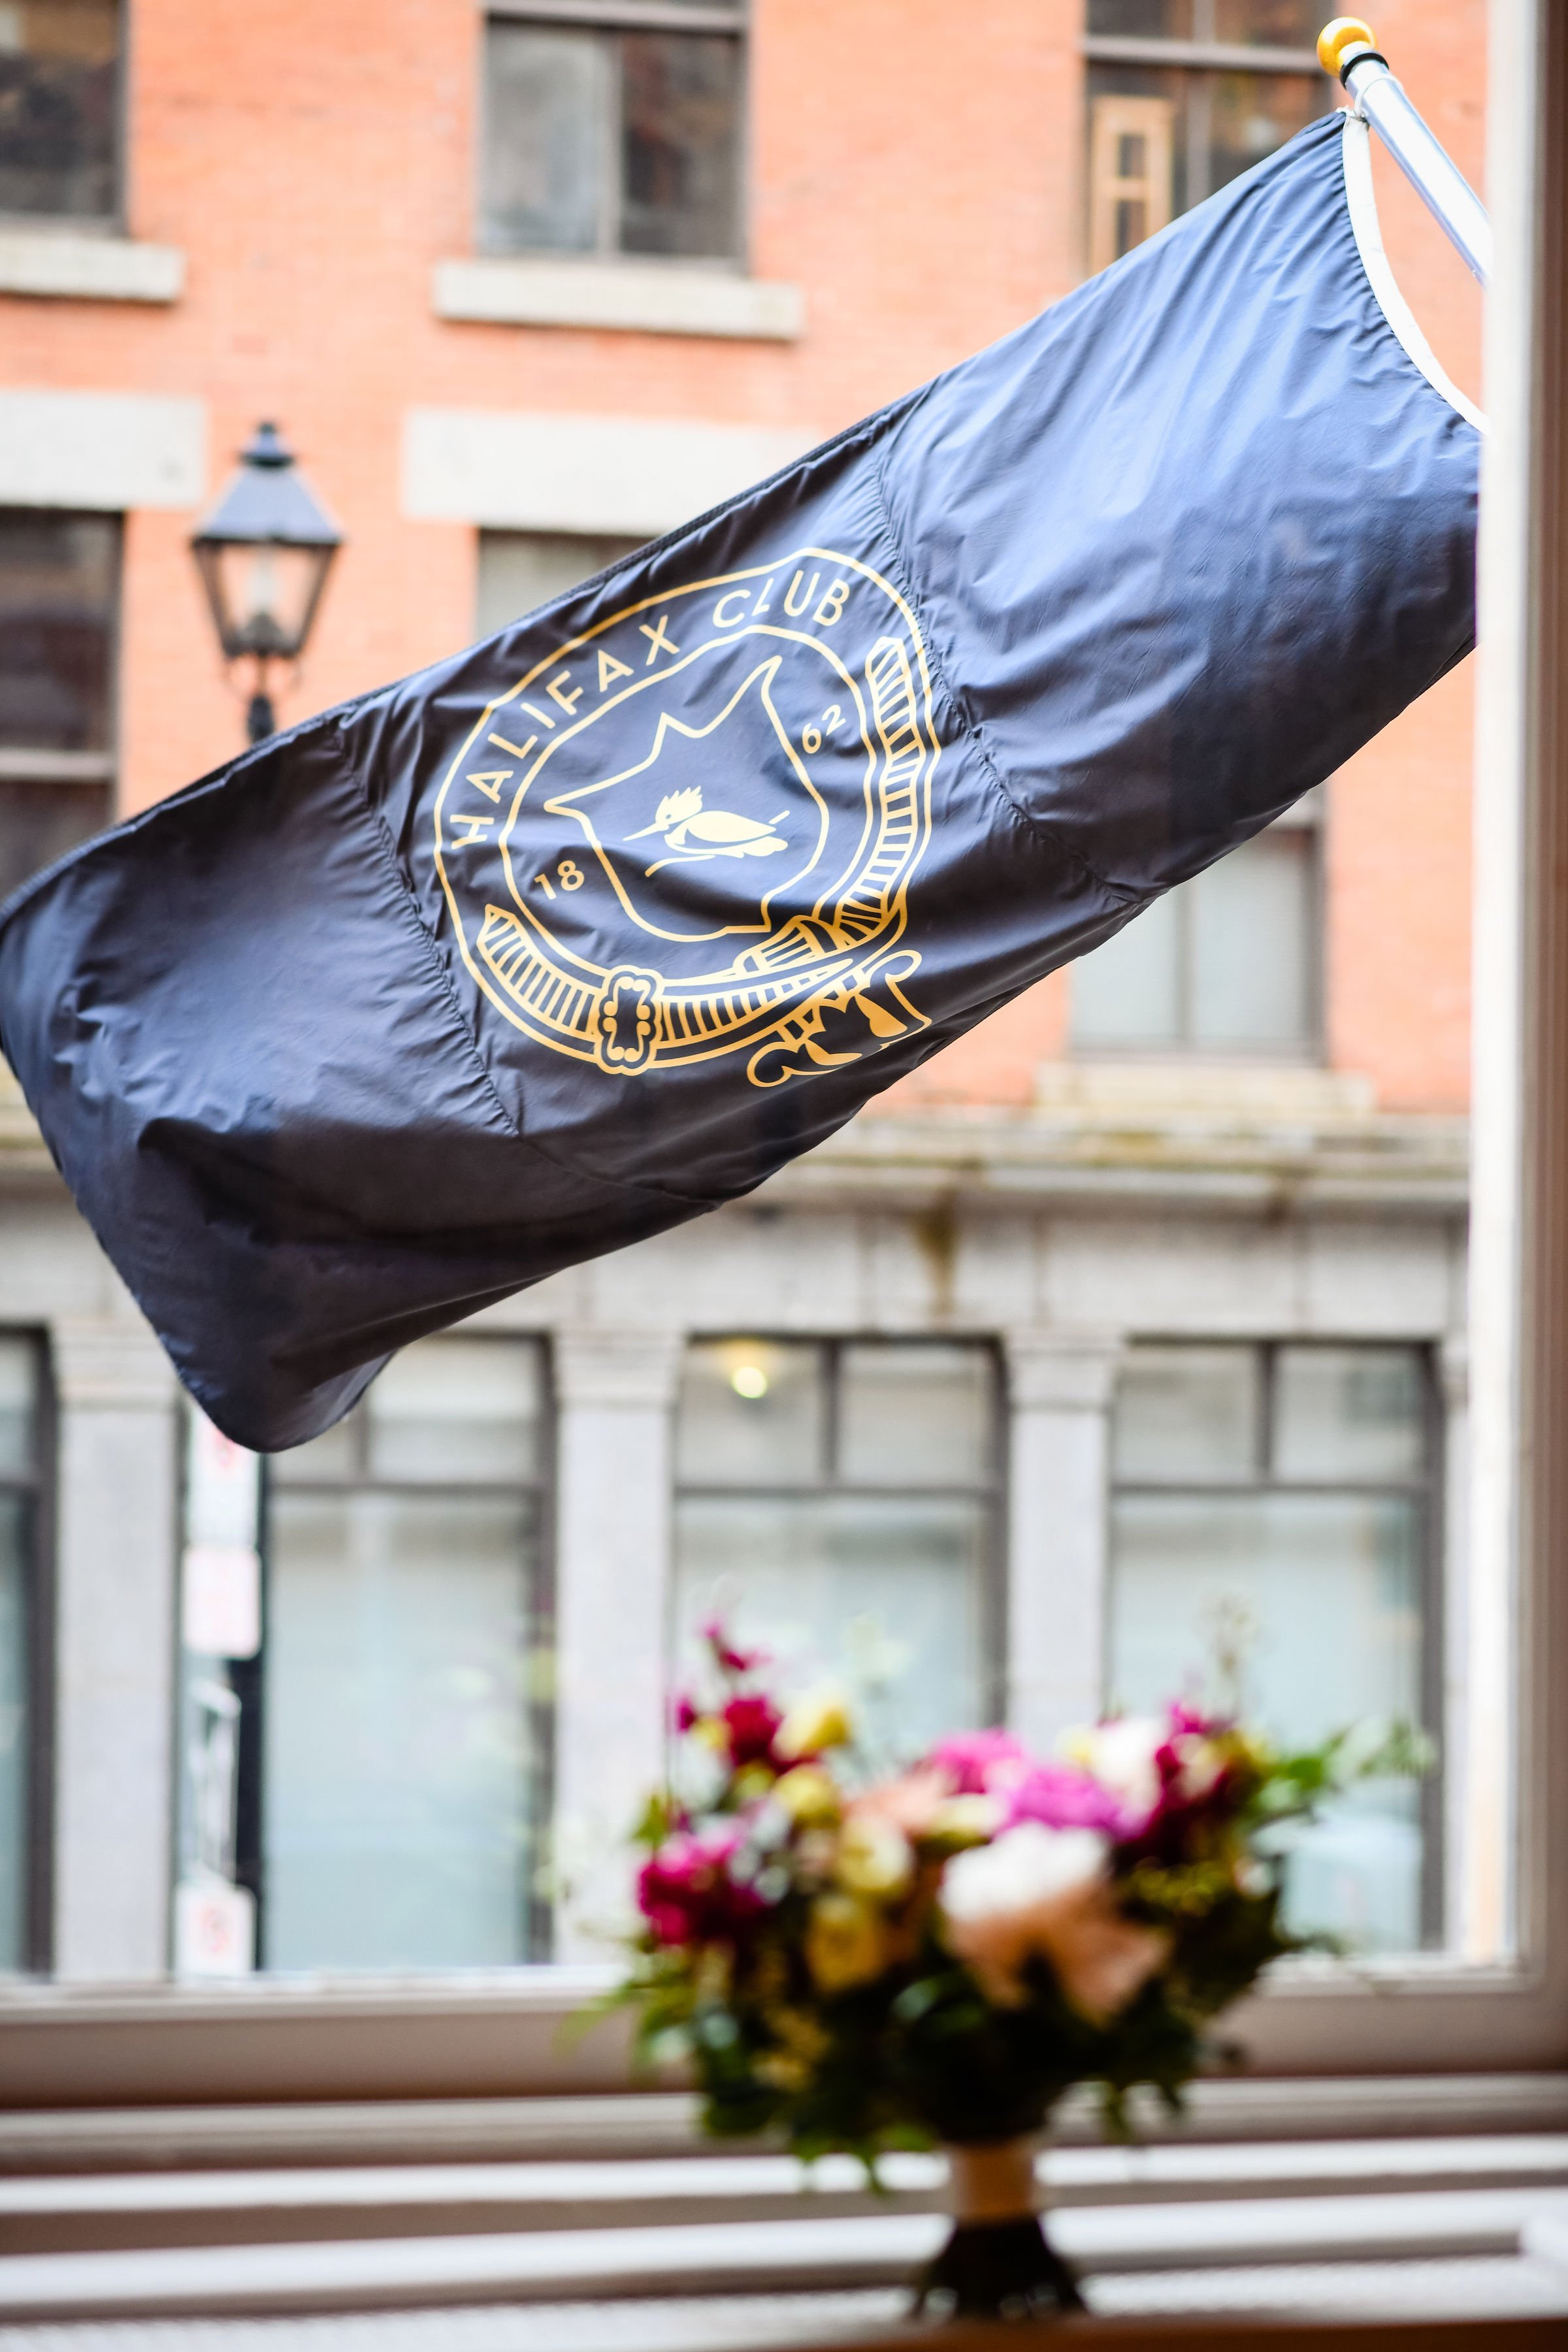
point(1344, 33)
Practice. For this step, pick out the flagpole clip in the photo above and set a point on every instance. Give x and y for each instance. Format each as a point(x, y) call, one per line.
point(1348, 48)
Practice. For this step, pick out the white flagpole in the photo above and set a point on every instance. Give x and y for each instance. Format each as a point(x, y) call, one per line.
point(1347, 47)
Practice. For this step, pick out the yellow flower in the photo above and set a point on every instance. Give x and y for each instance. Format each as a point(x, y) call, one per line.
point(875, 1858)
point(963, 1820)
point(807, 1795)
point(818, 1720)
point(845, 1942)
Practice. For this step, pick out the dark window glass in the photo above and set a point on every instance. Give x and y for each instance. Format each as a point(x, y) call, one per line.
point(601, 142)
point(1142, 20)
point(521, 570)
point(836, 1503)
point(1273, 24)
point(59, 106)
point(59, 581)
point(1220, 125)
point(1273, 1520)
point(19, 1501)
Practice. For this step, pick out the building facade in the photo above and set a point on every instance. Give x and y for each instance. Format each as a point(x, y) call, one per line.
point(1121, 1348)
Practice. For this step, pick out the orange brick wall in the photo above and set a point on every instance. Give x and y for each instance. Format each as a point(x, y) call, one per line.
point(917, 168)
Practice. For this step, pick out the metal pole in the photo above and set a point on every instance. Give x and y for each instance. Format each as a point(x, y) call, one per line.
point(1346, 47)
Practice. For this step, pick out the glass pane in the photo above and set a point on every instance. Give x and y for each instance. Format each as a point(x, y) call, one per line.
point(680, 126)
point(1277, 23)
point(1252, 939)
point(58, 107)
point(547, 111)
point(400, 1758)
point(1323, 1596)
point(18, 1407)
point(1128, 992)
point(522, 569)
point(1172, 91)
point(458, 1410)
point(1147, 20)
point(14, 1633)
point(916, 1416)
point(886, 1595)
point(1350, 1413)
point(56, 610)
point(39, 822)
point(1250, 114)
point(1187, 1416)
point(753, 1413)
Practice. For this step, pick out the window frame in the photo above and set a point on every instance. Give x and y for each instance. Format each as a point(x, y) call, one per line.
point(38, 1486)
point(1457, 2015)
point(993, 1492)
point(729, 19)
point(76, 770)
point(114, 220)
point(1428, 1493)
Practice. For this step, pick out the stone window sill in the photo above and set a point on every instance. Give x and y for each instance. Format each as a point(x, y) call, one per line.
point(70, 266)
point(646, 299)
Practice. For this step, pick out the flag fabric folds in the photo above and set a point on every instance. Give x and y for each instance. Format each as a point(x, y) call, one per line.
point(593, 927)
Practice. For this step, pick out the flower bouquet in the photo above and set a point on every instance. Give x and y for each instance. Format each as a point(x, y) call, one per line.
point(866, 1964)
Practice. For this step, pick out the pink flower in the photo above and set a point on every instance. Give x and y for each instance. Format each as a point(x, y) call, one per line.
point(1043, 1893)
point(980, 1763)
point(751, 1722)
point(1063, 1798)
point(685, 1891)
point(911, 1802)
point(687, 1713)
point(725, 1654)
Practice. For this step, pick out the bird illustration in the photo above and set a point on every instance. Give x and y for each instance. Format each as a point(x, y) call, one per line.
point(690, 833)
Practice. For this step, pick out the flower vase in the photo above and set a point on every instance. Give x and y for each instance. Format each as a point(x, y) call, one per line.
point(998, 2262)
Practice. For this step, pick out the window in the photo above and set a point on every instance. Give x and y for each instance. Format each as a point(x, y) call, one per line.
point(1183, 96)
point(1278, 1504)
point(619, 136)
point(58, 585)
point(405, 1672)
point(522, 569)
point(1225, 964)
point(838, 1501)
point(59, 108)
point(21, 1646)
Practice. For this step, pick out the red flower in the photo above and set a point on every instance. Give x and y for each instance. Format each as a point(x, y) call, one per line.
point(730, 1660)
point(687, 1894)
point(750, 1720)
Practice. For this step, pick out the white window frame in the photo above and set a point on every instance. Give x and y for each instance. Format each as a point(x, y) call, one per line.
point(1497, 2006)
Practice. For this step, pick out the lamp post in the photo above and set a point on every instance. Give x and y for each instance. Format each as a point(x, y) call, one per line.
point(263, 553)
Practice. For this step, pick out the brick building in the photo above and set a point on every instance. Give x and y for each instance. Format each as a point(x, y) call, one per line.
point(1131, 1324)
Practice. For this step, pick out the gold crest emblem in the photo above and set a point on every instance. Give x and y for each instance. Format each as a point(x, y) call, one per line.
point(689, 831)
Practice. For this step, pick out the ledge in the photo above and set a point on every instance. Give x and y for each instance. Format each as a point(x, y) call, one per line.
point(654, 299)
point(73, 268)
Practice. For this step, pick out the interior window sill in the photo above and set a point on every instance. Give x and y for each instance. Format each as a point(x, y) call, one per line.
point(74, 265)
point(646, 297)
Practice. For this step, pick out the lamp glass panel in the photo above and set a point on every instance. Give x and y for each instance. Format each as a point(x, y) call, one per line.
point(265, 594)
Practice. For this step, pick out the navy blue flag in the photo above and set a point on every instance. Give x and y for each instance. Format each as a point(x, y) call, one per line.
point(593, 927)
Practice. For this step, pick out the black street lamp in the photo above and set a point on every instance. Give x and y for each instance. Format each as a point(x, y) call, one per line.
point(264, 554)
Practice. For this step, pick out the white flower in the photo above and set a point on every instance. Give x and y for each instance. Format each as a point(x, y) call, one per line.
point(1040, 1892)
point(1120, 1756)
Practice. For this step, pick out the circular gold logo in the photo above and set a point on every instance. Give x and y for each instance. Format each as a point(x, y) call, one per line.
point(689, 831)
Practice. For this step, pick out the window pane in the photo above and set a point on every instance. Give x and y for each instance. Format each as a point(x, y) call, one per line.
point(1349, 1414)
point(1148, 20)
point(15, 1515)
point(1187, 1416)
point(456, 1411)
point(522, 569)
point(39, 822)
point(1280, 24)
point(916, 1416)
point(679, 97)
point(1323, 1593)
point(880, 1592)
point(1251, 944)
point(752, 1413)
point(58, 107)
point(1128, 992)
point(19, 1408)
point(332, 1455)
point(56, 610)
point(400, 1765)
point(1250, 114)
point(546, 112)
